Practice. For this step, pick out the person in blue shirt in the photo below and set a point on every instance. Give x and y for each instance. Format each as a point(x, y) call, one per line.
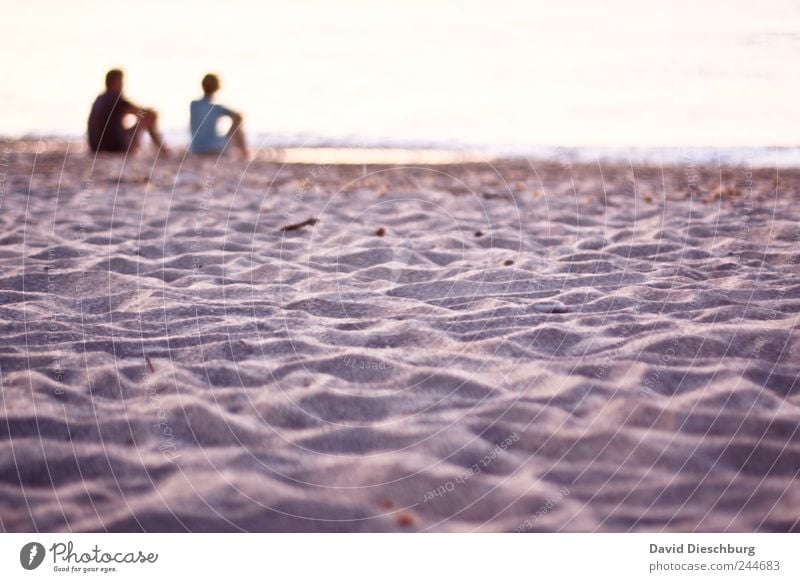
point(204, 117)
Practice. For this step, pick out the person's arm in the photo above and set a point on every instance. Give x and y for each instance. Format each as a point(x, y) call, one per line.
point(146, 119)
point(131, 109)
point(235, 132)
point(235, 116)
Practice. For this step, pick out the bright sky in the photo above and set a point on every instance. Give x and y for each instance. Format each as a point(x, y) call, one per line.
point(615, 73)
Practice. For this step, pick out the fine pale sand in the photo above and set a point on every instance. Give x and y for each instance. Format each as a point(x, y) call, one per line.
point(172, 358)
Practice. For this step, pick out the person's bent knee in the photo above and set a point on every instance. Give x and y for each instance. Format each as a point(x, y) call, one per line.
point(149, 118)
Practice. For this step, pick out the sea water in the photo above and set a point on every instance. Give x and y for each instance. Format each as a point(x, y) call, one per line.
point(619, 78)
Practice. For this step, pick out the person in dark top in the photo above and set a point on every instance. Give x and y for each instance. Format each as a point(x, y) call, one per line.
point(108, 131)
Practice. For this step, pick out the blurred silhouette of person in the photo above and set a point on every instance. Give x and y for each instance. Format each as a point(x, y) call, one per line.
point(204, 115)
point(107, 121)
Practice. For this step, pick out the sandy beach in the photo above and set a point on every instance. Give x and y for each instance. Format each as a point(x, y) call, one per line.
point(491, 346)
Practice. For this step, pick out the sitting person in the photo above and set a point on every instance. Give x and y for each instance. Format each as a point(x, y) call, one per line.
point(204, 115)
point(107, 128)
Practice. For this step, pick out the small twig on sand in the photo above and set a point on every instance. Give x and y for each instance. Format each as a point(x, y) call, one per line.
point(299, 225)
point(149, 364)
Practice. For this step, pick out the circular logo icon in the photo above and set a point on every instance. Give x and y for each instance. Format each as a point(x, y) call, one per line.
point(31, 555)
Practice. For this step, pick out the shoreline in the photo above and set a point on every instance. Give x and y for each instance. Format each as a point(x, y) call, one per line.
point(355, 152)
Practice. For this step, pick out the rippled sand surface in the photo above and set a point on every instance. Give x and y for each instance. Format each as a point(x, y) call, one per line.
point(172, 360)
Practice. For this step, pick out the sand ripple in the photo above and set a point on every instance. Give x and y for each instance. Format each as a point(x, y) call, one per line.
point(172, 360)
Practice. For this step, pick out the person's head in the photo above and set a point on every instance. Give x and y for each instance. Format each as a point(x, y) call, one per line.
point(114, 81)
point(210, 84)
